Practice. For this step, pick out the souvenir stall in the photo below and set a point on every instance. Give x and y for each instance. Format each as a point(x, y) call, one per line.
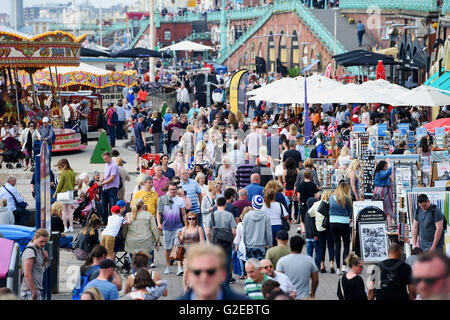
point(326, 172)
point(20, 51)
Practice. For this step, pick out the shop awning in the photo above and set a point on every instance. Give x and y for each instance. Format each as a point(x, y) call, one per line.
point(440, 82)
point(363, 58)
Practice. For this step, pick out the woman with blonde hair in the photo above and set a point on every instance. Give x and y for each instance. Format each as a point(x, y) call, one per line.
point(351, 176)
point(58, 226)
point(208, 202)
point(341, 211)
point(139, 185)
point(187, 143)
point(190, 234)
point(66, 186)
point(292, 135)
point(232, 119)
point(227, 173)
point(91, 293)
point(142, 232)
point(344, 159)
point(325, 238)
point(201, 180)
point(351, 286)
point(275, 211)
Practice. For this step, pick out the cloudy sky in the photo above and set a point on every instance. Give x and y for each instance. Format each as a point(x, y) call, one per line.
point(28, 3)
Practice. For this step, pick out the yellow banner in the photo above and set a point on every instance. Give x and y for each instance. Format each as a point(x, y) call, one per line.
point(234, 90)
point(192, 3)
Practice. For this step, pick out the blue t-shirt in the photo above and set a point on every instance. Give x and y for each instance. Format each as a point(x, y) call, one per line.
point(130, 98)
point(167, 118)
point(138, 128)
point(252, 190)
point(108, 290)
point(169, 174)
point(193, 190)
point(320, 149)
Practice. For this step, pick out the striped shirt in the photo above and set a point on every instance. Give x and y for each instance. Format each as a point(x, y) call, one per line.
point(253, 289)
point(243, 173)
point(193, 190)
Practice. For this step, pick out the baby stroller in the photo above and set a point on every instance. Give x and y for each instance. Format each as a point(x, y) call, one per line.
point(10, 152)
point(88, 205)
point(121, 254)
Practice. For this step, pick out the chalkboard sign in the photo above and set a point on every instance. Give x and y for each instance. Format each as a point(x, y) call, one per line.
point(371, 214)
point(368, 164)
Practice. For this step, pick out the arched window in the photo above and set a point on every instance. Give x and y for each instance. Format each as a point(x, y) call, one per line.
point(295, 51)
point(282, 51)
point(167, 35)
point(271, 53)
point(252, 58)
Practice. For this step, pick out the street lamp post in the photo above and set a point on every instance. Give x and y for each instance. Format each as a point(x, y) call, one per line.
point(152, 38)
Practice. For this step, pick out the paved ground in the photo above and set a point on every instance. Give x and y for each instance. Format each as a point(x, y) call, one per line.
point(69, 265)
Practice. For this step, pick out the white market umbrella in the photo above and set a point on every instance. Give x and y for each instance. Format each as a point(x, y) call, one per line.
point(353, 93)
point(294, 91)
point(187, 46)
point(271, 87)
point(385, 87)
point(425, 96)
point(83, 67)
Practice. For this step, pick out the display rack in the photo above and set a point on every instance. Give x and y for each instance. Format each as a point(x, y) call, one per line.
point(359, 144)
point(384, 144)
point(368, 165)
point(325, 172)
point(411, 141)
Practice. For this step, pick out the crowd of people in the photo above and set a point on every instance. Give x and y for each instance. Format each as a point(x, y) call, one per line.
point(226, 190)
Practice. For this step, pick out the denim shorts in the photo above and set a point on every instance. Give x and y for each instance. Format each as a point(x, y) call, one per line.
point(169, 238)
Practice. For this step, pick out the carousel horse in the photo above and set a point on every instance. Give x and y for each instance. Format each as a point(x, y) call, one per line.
point(9, 108)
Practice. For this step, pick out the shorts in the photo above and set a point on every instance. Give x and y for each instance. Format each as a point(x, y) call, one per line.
point(108, 242)
point(289, 193)
point(28, 295)
point(140, 150)
point(169, 238)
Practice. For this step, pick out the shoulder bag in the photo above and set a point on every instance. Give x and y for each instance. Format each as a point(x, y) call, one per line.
point(284, 223)
point(177, 252)
point(220, 236)
point(19, 204)
point(324, 209)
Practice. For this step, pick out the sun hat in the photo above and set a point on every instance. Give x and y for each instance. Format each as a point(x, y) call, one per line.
point(257, 202)
point(45, 119)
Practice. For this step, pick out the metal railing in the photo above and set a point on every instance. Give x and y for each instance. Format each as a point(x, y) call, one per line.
point(404, 5)
point(446, 7)
point(144, 26)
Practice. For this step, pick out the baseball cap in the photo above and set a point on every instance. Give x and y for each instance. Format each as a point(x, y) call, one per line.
point(282, 235)
point(257, 202)
point(275, 126)
point(140, 115)
point(299, 135)
point(107, 263)
point(422, 198)
point(45, 119)
point(121, 203)
point(115, 209)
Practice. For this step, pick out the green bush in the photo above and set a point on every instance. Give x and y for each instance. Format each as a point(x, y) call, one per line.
point(294, 72)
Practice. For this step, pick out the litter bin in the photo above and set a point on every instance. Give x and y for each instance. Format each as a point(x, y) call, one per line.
point(9, 265)
point(20, 234)
point(55, 262)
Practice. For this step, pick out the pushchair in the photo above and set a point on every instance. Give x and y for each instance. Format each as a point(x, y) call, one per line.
point(121, 254)
point(11, 153)
point(88, 205)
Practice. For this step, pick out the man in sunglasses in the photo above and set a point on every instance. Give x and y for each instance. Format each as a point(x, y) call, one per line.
point(429, 225)
point(431, 276)
point(206, 271)
point(285, 284)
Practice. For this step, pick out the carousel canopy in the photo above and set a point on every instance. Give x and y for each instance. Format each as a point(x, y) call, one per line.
point(84, 75)
point(22, 51)
point(140, 53)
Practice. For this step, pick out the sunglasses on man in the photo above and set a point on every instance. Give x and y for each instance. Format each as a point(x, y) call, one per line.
point(428, 281)
point(209, 272)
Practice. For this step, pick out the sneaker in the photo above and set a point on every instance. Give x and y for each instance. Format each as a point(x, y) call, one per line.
point(167, 271)
point(345, 269)
point(332, 270)
point(70, 229)
point(179, 271)
point(152, 265)
point(323, 270)
point(338, 272)
point(66, 230)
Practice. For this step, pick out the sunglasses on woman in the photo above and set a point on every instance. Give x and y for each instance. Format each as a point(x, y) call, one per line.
point(192, 219)
point(209, 272)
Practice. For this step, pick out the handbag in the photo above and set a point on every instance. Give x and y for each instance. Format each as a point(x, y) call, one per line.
point(221, 236)
point(80, 247)
point(324, 209)
point(177, 253)
point(19, 204)
point(65, 196)
point(284, 223)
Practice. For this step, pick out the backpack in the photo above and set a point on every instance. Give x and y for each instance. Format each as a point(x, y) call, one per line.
point(433, 209)
point(313, 153)
point(76, 293)
point(113, 119)
point(389, 278)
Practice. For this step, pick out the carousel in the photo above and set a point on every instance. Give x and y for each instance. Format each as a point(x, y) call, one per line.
point(28, 54)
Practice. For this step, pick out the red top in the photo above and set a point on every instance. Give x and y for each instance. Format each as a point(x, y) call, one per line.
point(109, 115)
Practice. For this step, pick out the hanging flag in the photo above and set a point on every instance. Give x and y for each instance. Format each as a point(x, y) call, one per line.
point(307, 118)
point(238, 90)
point(328, 71)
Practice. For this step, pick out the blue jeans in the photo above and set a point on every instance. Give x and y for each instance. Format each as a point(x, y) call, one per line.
point(119, 129)
point(275, 229)
point(255, 253)
point(65, 242)
point(21, 216)
point(360, 37)
point(109, 196)
point(311, 246)
point(112, 135)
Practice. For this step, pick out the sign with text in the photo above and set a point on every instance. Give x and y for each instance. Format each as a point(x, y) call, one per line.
point(403, 127)
point(359, 127)
point(382, 129)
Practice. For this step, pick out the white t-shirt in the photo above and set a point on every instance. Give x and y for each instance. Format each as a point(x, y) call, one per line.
point(275, 212)
point(253, 142)
point(115, 221)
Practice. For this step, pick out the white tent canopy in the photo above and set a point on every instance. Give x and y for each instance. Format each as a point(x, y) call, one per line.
point(187, 46)
point(353, 93)
point(424, 96)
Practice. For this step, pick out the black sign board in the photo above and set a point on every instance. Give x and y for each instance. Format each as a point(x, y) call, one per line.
point(371, 214)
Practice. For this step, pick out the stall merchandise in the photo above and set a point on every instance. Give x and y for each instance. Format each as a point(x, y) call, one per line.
point(326, 172)
point(359, 143)
point(368, 165)
point(403, 218)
